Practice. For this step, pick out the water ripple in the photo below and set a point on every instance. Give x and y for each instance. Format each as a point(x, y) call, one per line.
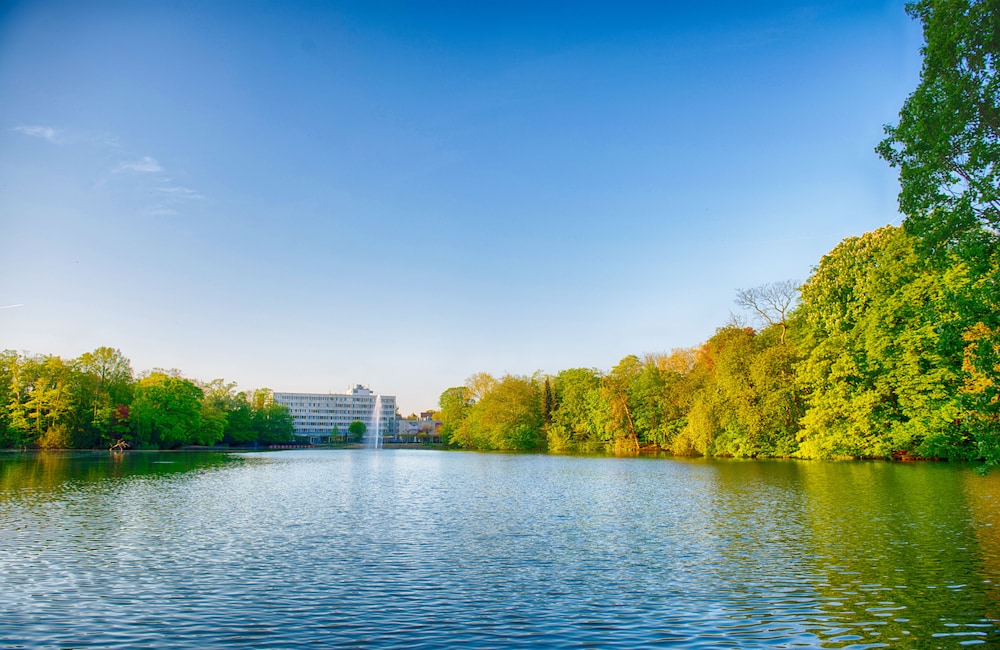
point(426, 549)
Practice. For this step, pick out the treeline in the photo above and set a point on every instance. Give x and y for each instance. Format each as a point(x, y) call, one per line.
point(891, 348)
point(95, 401)
point(888, 351)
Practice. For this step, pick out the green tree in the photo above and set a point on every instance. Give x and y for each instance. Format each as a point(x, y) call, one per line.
point(105, 383)
point(454, 403)
point(239, 421)
point(743, 401)
point(508, 417)
point(357, 430)
point(616, 392)
point(10, 362)
point(573, 423)
point(166, 412)
point(23, 374)
point(881, 373)
point(547, 402)
point(49, 403)
point(272, 423)
point(947, 142)
point(219, 403)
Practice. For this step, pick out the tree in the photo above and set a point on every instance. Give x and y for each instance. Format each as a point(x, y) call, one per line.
point(49, 404)
point(573, 423)
point(770, 302)
point(166, 412)
point(547, 402)
point(357, 430)
point(947, 148)
point(454, 403)
point(9, 362)
point(239, 421)
point(23, 373)
point(479, 385)
point(882, 371)
point(106, 384)
point(509, 416)
point(947, 142)
point(219, 402)
point(272, 423)
point(616, 392)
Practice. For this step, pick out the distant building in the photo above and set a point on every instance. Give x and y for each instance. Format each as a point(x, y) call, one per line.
point(318, 416)
point(426, 429)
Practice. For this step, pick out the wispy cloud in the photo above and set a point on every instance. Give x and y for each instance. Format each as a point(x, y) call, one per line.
point(12, 306)
point(179, 192)
point(44, 132)
point(146, 174)
point(144, 165)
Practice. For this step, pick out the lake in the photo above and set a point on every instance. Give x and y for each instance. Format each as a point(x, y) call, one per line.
point(425, 549)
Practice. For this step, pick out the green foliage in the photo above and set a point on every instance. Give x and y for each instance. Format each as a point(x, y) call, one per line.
point(454, 404)
point(574, 423)
point(94, 401)
point(166, 412)
point(40, 404)
point(547, 401)
point(947, 142)
point(357, 430)
point(272, 423)
point(745, 403)
point(507, 416)
point(105, 384)
point(616, 392)
point(878, 377)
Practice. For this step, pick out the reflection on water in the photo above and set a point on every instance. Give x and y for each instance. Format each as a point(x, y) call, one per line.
point(430, 549)
point(48, 470)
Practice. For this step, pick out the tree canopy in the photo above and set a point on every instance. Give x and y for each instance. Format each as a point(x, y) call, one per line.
point(95, 401)
point(947, 142)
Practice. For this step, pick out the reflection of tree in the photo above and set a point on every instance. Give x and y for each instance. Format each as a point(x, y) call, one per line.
point(982, 494)
point(47, 470)
point(889, 543)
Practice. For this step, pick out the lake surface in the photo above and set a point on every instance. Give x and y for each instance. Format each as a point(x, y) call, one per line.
point(425, 549)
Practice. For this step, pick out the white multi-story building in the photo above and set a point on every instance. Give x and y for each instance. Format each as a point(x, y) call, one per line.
point(317, 416)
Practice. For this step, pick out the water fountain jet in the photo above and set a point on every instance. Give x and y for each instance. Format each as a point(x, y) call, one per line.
point(375, 439)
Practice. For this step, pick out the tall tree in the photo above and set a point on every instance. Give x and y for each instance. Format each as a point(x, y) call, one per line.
point(947, 142)
point(547, 402)
point(616, 390)
point(9, 363)
point(947, 148)
point(455, 404)
point(106, 383)
point(49, 403)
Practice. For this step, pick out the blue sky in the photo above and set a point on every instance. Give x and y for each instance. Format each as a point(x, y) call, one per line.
point(310, 195)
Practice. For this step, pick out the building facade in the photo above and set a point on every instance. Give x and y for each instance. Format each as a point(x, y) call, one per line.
point(320, 416)
point(426, 429)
